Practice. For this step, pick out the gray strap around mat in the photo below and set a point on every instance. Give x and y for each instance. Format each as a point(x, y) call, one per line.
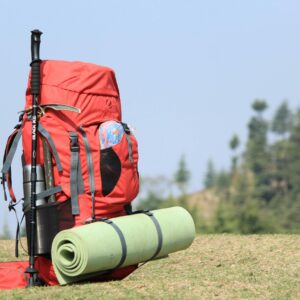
point(74, 147)
point(11, 153)
point(49, 139)
point(122, 240)
point(159, 234)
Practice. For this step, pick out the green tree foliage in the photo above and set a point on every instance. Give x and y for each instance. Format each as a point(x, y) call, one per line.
point(283, 119)
point(293, 153)
point(257, 157)
point(210, 176)
point(182, 175)
point(150, 201)
point(5, 235)
point(234, 144)
point(262, 193)
point(259, 105)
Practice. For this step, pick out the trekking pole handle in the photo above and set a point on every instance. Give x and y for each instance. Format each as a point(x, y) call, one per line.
point(35, 61)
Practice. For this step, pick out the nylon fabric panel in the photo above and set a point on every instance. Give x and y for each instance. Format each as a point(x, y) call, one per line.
point(94, 108)
point(12, 275)
point(89, 87)
point(80, 77)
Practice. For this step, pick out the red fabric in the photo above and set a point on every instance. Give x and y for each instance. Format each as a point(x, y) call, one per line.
point(47, 274)
point(12, 275)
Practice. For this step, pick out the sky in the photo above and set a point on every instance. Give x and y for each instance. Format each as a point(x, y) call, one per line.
point(188, 71)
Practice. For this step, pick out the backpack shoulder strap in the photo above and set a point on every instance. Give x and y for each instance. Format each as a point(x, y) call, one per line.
point(9, 153)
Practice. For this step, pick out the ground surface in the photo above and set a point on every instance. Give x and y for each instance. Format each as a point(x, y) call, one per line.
point(214, 267)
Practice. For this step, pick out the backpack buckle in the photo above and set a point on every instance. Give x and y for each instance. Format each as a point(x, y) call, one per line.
point(74, 142)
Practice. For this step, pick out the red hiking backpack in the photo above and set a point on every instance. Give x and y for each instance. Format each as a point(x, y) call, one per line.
point(84, 182)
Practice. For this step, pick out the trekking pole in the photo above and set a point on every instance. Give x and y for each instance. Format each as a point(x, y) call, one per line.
point(35, 91)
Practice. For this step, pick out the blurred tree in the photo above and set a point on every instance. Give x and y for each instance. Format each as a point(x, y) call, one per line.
point(281, 125)
point(283, 119)
point(253, 218)
point(5, 235)
point(234, 144)
point(257, 157)
point(259, 106)
point(182, 176)
point(210, 176)
point(225, 218)
point(222, 181)
point(150, 201)
point(294, 156)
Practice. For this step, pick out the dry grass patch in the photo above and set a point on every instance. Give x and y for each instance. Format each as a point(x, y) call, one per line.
point(214, 267)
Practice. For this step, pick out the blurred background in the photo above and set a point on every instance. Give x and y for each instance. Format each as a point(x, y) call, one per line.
point(211, 88)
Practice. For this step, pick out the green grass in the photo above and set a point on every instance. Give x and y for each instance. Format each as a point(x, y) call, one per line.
point(214, 267)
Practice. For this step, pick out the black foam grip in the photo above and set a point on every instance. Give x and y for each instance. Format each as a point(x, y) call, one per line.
point(35, 78)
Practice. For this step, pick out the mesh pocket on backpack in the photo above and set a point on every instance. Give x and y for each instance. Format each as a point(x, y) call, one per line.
point(118, 168)
point(110, 169)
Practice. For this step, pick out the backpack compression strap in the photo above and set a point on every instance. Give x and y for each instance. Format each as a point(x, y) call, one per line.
point(90, 165)
point(129, 143)
point(76, 180)
point(10, 150)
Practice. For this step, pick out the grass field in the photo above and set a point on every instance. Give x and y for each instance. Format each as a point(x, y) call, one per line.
point(214, 267)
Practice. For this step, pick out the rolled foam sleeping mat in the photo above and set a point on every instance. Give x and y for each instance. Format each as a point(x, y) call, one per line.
point(82, 252)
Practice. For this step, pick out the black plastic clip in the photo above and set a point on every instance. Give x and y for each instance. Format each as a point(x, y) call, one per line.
point(93, 220)
point(74, 142)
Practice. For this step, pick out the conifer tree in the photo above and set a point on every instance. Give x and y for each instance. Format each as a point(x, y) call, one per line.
point(256, 151)
point(182, 176)
point(282, 121)
point(210, 176)
point(234, 144)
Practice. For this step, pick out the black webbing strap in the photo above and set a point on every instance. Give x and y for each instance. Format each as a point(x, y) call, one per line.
point(159, 233)
point(121, 237)
point(49, 139)
point(122, 240)
point(11, 207)
point(90, 166)
point(74, 147)
point(129, 211)
point(129, 143)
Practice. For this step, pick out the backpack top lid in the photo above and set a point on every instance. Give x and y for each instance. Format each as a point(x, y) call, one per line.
point(80, 77)
point(77, 84)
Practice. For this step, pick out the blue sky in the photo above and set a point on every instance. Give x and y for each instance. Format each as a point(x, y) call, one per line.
point(187, 70)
